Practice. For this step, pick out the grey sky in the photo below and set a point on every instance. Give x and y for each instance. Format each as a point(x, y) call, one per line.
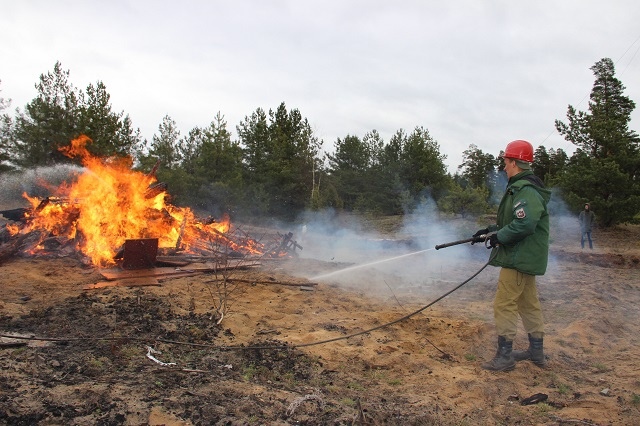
point(469, 71)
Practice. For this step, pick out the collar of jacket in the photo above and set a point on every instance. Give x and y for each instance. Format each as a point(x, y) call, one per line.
point(519, 176)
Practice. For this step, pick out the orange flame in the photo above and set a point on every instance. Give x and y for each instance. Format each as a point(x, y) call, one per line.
point(110, 203)
point(13, 229)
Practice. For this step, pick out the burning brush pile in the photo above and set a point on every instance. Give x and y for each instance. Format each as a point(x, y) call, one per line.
point(112, 215)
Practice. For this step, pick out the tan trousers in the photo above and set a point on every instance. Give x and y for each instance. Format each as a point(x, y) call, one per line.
point(517, 294)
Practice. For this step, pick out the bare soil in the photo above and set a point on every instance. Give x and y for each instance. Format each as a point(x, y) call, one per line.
point(92, 361)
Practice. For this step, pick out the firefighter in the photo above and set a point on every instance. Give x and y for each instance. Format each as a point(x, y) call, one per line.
point(520, 247)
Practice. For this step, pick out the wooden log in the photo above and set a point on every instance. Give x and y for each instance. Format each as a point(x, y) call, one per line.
point(287, 245)
point(128, 282)
point(307, 288)
point(155, 189)
point(185, 259)
point(181, 234)
point(15, 215)
point(182, 260)
point(240, 280)
point(154, 169)
point(176, 276)
point(12, 247)
point(117, 273)
point(168, 261)
point(5, 235)
point(14, 340)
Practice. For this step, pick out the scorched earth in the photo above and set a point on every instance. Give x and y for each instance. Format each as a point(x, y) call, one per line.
point(161, 355)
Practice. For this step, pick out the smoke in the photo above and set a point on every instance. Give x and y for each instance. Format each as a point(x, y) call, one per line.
point(564, 226)
point(497, 182)
point(399, 260)
point(374, 255)
point(40, 182)
point(402, 260)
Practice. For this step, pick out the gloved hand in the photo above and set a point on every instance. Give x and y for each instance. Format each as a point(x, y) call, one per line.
point(493, 241)
point(483, 231)
point(479, 239)
point(479, 236)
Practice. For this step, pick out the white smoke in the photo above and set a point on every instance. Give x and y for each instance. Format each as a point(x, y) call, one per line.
point(403, 260)
point(39, 182)
point(399, 261)
point(565, 227)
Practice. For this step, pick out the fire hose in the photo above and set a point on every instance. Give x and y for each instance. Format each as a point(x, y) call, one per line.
point(482, 238)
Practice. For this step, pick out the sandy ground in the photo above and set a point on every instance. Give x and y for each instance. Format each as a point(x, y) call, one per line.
point(422, 370)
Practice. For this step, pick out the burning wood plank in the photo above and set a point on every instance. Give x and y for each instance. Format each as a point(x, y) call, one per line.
point(286, 246)
point(15, 215)
point(19, 243)
point(155, 189)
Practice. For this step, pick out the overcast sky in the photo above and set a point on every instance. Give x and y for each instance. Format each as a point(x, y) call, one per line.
point(469, 71)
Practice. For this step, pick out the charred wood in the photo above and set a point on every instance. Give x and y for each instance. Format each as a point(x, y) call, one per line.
point(50, 200)
point(181, 234)
point(155, 189)
point(154, 170)
point(13, 247)
point(5, 235)
point(16, 215)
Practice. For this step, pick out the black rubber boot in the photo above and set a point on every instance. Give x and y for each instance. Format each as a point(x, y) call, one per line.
point(535, 352)
point(503, 361)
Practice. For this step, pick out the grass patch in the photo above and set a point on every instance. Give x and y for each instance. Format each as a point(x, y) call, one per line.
point(349, 402)
point(600, 367)
point(563, 389)
point(544, 408)
point(355, 386)
point(249, 372)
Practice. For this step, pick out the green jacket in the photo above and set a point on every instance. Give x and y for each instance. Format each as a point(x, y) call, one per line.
point(523, 226)
point(586, 219)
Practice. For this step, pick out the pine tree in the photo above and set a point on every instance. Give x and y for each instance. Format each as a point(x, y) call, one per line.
point(164, 146)
point(280, 154)
point(478, 168)
point(60, 112)
point(605, 169)
point(6, 136)
point(49, 121)
point(112, 133)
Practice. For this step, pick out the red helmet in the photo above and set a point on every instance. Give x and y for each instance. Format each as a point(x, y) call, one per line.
point(519, 150)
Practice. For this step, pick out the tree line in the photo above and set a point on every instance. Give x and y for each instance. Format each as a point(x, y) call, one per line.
point(275, 168)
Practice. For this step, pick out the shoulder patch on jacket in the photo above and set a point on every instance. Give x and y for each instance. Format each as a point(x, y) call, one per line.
point(520, 213)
